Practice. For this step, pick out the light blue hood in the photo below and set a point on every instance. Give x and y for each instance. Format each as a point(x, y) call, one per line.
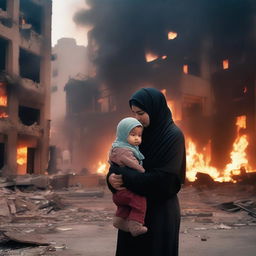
point(123, 129)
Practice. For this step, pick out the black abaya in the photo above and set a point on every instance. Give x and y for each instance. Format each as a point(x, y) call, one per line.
point(164, 149)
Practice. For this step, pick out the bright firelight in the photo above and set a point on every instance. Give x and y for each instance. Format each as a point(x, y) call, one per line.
point(102, 168)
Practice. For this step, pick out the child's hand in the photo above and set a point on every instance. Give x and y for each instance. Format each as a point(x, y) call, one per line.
point(116, 181)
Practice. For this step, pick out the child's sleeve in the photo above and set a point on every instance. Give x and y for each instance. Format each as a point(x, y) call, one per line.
point(128, 159)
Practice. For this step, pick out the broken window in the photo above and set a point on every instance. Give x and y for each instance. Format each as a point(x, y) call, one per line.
point(3, 100)
point(185, 69)
point(26, 154)
point(29, 65)
point(31, 16)
point(3, 51)
point(29, 116)
point(3, 5)
point(225, 64)
point(192, 68)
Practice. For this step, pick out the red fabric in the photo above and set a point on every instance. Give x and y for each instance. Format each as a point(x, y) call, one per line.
point(130, 206)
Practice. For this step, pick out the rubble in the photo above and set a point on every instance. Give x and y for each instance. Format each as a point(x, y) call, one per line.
point(57, 213)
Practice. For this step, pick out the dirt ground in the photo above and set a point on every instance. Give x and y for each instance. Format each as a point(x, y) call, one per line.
point(84, 226)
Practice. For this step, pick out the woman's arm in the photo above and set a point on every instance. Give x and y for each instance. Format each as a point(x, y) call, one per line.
point(114, 179)
point(161, 181)
point(151, 184)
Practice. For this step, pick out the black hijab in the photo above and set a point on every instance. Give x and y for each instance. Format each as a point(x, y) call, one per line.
point(162, 142)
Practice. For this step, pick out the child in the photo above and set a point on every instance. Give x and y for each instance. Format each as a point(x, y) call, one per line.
point(131, 208)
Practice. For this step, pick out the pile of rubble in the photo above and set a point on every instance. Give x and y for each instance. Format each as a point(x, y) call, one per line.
point(19, 206)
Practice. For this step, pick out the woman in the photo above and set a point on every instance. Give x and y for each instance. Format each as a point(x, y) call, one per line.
point(165, 162)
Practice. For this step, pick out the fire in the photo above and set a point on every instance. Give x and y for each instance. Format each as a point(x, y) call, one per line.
point(3, 115)
point(102, 169)
point(3, 94)
point(3, 101)
point(171, 106)
point(22, 155)
point(238, 155)
point(198, 162)
point(241, 122)
point(172, 35)
point(150, 56)
point(185, 69)
point(225, 64)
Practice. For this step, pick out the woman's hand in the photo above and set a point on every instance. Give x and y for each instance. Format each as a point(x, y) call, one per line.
point(116, 181)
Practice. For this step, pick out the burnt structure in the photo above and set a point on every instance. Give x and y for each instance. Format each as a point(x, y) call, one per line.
point(25, 55)
point(201, 54)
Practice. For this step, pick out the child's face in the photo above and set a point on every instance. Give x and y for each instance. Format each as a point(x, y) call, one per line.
point(134, 137)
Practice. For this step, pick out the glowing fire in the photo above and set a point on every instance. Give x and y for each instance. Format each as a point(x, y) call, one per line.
point(22, 155)
point(198, 162)
point(3, 101)
point(102, 169)
point(238, 155)
point(225, 64)
point(171, 106)
point(3, 94)
point(150, 56)
point(185, 69)
point(172, 35)
point(3, 115)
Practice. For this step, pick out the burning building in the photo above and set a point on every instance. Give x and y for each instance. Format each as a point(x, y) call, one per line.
point(199, 54)
point(25, 55)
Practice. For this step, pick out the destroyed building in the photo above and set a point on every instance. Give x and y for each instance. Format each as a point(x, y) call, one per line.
point(25, 55)
point(69, 61)
point(200, 55)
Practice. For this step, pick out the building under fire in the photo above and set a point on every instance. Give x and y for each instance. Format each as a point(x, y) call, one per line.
point(201, 55)
point(25, 55)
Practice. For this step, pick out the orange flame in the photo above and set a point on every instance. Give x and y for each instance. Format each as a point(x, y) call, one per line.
point(198, 162)
point(150, 56)
point(185, 69)
point(3, 94)
point(238, 155)
point(3, 115)
point(172, 35)
point(22, 155)
point(171, 106)
point(225, 64)
point(3, 101)
point(102, 169)
point(241, 122)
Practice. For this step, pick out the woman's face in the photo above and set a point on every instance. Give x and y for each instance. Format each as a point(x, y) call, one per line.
point(141, 116)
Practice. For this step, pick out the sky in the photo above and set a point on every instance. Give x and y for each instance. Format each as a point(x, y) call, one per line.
point(62, 21)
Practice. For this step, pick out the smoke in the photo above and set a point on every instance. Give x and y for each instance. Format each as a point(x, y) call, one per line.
point(125, 29)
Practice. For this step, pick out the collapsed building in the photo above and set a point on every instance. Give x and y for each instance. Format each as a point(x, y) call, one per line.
point(25, 55)
point(200, 55)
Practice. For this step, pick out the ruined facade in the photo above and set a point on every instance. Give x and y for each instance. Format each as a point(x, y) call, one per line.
point(200, 55)
point(25, 39)
point(70, 60)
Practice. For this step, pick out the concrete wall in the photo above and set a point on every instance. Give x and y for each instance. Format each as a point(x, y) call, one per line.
point(19, 94)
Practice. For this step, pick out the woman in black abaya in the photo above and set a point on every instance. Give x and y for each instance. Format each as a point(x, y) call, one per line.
point(165, 162)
